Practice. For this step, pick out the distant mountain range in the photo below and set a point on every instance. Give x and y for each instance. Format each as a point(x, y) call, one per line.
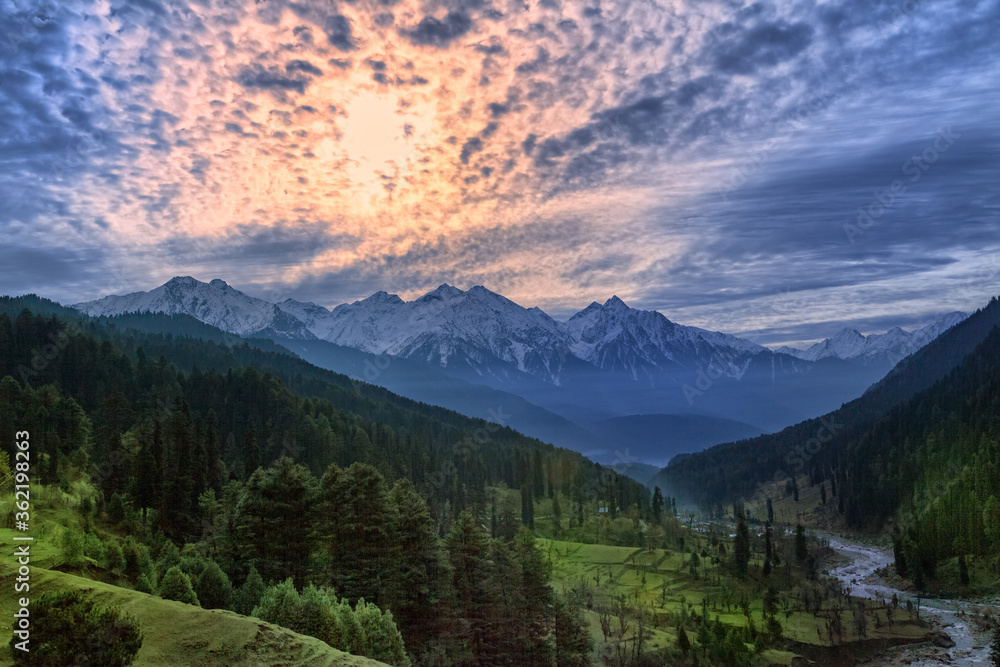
point(885, 349)
point(610, 378)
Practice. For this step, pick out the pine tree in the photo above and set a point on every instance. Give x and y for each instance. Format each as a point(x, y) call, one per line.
point(573, 643)
point(273, 520)
point(213, 589)
point(527, 507)
point(897, 551)
point(770, 511)
point(383, 642)
point(251, 451)
point(683, 643)
point(466, 544)
point(212, 453)
point(657, 505)
point(249, 594)
point(176, 585)
point(354, 520)
point(150, 473)
point(416, 577)
point(741, 544)
point(801, 547)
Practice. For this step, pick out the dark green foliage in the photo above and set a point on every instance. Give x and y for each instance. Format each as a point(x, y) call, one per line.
point(417, 572)
point(365, 630)
point(144, 585)
point(353, 523)
point(249, 594)
point(213, 589)
point(900, 559)
point(68, 629)
point(176, 585)
point(683, 643)
point(741, 544)
point(527, 507)
point(657, 505)
point(271, 522)
point(573, 643)
point(175, 415)
point(731, 471)
point(495, 581)
point(801, 547)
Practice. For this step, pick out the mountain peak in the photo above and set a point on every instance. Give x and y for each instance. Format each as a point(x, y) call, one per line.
point(183, 281)
point(615, 303)
point(382, 297)
point(443, 292)
point(214, 303)
point(847, 333)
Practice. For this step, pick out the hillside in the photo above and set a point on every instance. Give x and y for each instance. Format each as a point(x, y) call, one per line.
point(175, 633)
point(734, 471)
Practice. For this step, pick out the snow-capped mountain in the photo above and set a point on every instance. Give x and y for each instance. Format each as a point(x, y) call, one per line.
point(889, 347)
point(450, 326)
point(614, 337)
point(605, 361)
point(445, 327)
point(215, 303)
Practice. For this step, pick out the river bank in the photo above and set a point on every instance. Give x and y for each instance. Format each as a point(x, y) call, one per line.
point(961, 630)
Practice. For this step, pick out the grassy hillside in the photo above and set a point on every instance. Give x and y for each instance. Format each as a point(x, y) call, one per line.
point(173, 633)
point(181, 634)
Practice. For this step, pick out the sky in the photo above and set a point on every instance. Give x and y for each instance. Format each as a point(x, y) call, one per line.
point(772, 169)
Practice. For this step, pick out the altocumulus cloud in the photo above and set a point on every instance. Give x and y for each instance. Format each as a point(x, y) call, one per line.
point(341, 147)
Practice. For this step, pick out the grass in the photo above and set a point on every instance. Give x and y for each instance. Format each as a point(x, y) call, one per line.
point(660, 583)
point(173, 633)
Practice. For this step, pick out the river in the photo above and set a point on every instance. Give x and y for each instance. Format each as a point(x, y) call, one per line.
point(971, 644)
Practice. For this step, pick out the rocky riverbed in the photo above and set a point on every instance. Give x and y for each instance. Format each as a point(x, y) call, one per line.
point(961, 630)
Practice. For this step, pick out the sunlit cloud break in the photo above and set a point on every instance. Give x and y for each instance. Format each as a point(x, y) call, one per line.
point(689, 157)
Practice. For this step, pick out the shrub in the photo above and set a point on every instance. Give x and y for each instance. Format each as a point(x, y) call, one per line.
point(114, 560)
point(72, 548)
point(67, 629)
point(213, 589)
point(249, 594)
point(177, 586)
point(144, 585)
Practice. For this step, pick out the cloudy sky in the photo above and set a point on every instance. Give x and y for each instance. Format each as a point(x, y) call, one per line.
point(777, 169)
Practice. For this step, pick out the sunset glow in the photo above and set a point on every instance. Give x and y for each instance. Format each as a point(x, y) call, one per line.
point(558, 153)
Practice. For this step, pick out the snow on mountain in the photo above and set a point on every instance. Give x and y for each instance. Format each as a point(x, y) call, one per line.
point(615, 337)
point(890, 346)
point(215, 303)
point(442, 326)
point(488, 334)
